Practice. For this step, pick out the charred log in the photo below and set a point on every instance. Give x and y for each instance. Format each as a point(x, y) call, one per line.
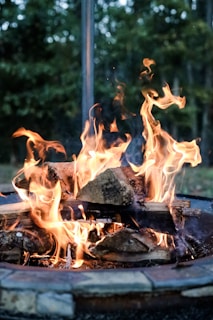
point(127, 245)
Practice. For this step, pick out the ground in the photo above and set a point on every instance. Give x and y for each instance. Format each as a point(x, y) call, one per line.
point(196, 181)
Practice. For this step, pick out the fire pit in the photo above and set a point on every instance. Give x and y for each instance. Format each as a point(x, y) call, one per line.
point(177, 293)
point(103, 211)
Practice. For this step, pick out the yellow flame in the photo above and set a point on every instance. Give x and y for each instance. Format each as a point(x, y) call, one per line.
point(163, 159)
point(163, 156)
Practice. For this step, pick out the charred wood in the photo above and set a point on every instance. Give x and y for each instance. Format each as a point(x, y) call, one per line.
point(32, 241)
point(130, 246)
point(15, 214)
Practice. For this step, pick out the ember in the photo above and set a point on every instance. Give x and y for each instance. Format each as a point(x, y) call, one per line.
point(93, 208)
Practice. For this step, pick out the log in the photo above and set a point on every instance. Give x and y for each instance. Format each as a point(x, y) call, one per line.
point(19, 234)
point(15, 214)
point(12, 255)
point(29, 238)
point(32, 241)
point(127, 245)
point(109, 187)
point(116, 186)
point(149, 215)
point(158, 256)
point(14, 208)
point(63, 171)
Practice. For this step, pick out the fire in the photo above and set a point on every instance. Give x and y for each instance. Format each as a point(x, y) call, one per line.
point(163, 159)
point(44, 196)
point(94, 157)
point(163, 156)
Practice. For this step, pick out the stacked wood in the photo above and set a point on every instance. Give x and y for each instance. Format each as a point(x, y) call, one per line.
point(115, 196)
point(117, 186)
point(19, 234)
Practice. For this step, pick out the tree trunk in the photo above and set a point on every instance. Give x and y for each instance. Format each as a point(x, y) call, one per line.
point(208, 85)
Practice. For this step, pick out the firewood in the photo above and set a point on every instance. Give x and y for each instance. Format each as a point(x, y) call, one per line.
point(54, 171)
point(130, 246)
point(116, 186)
point(14, 214)
point(148, 215)
point(109, 187)
point(63, 172)
point(12, 255)
point(136, 182)
point(32, 241)
point(14, 208)
point(158, 255)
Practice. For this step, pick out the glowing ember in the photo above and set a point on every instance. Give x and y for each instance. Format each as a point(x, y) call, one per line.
point(163, 159)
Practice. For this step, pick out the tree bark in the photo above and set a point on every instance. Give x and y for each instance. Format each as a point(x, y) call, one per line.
point(205, 143)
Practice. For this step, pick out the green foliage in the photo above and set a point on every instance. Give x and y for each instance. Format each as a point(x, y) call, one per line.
point(40, 61)
point(177, 36)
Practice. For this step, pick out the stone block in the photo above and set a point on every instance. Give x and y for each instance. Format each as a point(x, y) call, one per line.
point(16, 301)
point(55, 304)
point(108, 283)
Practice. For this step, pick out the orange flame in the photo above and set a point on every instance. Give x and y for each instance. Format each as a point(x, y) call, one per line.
point(163, 157)
point(44, 196)
point(94, 157)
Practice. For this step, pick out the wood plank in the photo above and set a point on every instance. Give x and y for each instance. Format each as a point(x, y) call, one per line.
point(14, 208)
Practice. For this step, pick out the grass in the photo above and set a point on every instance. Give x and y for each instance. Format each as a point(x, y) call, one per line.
point(7, 172)
point(194, 181)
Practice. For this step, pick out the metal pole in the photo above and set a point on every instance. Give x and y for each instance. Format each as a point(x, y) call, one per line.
point(87, 17)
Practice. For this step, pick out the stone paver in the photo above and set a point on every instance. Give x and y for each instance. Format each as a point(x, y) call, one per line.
point(4, 273)
point(16, 301)
point(206, 291)
point(172, 278)
point(52, 303)
point(112, 282)
point(39, 280)
point(47, 293)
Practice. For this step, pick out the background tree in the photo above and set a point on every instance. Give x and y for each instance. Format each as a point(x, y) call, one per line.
point(178, 36)
point(40, 66)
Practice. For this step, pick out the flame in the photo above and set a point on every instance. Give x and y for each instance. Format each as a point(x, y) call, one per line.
point(163, 159)
point(44, 195)
point(163, 156)
point(94, 157)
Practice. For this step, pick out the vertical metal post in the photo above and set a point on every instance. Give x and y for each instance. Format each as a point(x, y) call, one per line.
point(87, 18)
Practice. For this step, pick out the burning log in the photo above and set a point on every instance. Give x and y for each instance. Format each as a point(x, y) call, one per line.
point(135, 241)
point(13, 255)
point(13, 214)
point(36, 241)
point(18, 234)
point(116, 186)
point(63, 172)
point(109, 187)
point(127, 245)
point(139, 215)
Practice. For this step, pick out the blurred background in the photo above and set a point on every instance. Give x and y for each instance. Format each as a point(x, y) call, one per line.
point(41, 71)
